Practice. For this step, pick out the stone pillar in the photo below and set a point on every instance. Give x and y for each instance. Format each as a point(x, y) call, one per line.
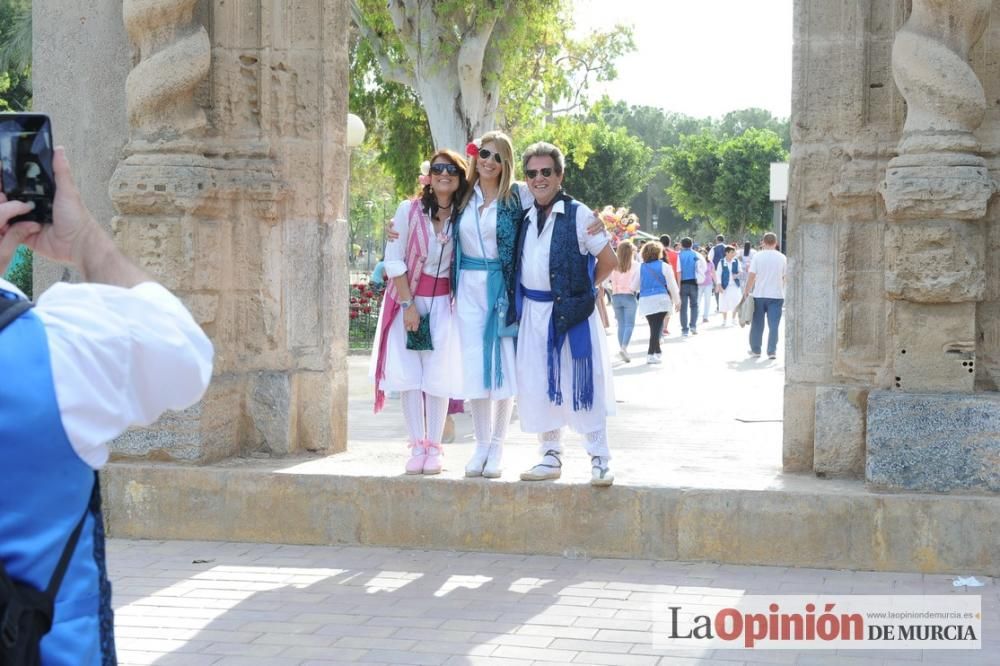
point(936, 193)
point(229, 193)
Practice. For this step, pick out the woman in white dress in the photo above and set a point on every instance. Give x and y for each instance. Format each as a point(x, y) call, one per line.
point(418, 262)
point(730, 276)
point(487, 231)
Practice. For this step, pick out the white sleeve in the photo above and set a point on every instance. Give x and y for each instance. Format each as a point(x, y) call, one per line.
point(592, 244)
point(395, 251)
point(524, 194)
point(753, 263)
point(636, 277)
point(120, 357)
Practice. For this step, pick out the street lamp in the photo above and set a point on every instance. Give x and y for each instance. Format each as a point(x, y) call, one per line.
point(355, 131)
point(656, 221)
point(355, 137)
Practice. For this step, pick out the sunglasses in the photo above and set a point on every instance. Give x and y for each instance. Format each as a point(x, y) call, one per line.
point(485, 154)
point(440, 168)
point(531, 173)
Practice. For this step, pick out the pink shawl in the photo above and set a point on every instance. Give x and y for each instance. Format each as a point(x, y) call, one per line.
point(417, 248)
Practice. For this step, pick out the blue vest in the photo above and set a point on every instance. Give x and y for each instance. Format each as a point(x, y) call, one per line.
point(651, 280)
point(46, 488)
point(688, 264)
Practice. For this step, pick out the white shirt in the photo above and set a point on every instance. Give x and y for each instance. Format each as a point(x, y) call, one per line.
point(439, 255)
point(120, 357)
point(769, 267)
point(535, 254)
point(469, 232)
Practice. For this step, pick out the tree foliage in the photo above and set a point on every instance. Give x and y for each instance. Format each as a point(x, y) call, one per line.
point(19, 271)
point(15, 55)
point(604, 165)
point(439, 73)
point(725, 182)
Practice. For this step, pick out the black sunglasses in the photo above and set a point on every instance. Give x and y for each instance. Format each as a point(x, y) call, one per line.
point(531, 173)
point(441, 167)
point(485, 154)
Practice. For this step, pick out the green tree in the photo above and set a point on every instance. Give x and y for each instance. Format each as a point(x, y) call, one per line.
point(693, 167)
point(724, 184)
point(15, 55)
point(736, 123)
point(742, 187)
point(373, 198)
point(604, 165)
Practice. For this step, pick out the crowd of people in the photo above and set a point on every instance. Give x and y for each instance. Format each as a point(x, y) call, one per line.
point(695, 281)
point(501, 280)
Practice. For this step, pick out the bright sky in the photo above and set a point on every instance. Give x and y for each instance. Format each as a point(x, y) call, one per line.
point(700, 57)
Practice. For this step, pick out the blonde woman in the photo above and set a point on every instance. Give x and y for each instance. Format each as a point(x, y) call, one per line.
point(486, 234)
point(658, 293)
point(623, 296)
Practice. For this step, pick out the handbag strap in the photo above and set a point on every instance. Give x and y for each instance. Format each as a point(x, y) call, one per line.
point(11, 309)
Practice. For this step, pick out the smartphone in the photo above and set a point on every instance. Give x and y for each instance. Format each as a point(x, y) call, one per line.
point(26, 163)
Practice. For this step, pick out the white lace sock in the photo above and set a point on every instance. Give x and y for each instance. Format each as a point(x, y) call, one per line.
point(413, 413)
point(482, 414)
point(597, 443)
point(550, 441)
point(437, 412)
point(501, 419)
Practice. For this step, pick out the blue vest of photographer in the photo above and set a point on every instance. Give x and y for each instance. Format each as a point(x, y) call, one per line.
point(46, 490)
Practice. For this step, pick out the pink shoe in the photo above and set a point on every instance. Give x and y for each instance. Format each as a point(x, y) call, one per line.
point(418, 454)
point(432, 461)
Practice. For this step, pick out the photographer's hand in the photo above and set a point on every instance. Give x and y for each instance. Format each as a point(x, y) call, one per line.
point(74, 237)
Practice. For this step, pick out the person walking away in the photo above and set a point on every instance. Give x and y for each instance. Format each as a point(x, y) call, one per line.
point(658, 294)
point(623, 297)
point(766, 284)
point(670, 255)
point(729, 285)
point(692, 269)
point(707, 288)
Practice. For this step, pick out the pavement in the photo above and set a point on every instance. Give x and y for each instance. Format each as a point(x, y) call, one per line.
point(708, 417)
point(230, 604)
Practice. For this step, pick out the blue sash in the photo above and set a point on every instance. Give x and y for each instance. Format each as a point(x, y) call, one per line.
point(495, 288)
point(581, 352)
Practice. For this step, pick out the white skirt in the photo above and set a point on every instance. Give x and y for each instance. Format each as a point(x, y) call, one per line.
point(730, 297)
point(471, 311)
point(536, 412)
point(429, 371)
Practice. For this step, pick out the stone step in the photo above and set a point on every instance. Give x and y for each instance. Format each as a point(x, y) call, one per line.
point(798, 521)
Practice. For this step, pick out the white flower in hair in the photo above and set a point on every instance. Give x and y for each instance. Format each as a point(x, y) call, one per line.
point(425, 168)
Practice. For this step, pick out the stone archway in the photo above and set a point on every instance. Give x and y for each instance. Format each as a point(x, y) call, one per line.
point(211, 135)
point(220, 128)
point(892, 246)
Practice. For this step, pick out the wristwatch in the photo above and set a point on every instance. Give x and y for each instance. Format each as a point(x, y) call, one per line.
point(405, 304)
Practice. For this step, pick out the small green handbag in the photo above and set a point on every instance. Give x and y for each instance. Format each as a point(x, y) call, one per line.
point(420, 339)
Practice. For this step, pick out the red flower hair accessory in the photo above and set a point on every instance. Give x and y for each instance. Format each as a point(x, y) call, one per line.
point(472, 149)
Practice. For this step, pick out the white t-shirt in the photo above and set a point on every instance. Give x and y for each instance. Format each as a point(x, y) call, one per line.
point(769, 266)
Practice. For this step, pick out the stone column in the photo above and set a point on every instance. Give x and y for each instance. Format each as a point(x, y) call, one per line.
point(230, 193)
point(936, 193)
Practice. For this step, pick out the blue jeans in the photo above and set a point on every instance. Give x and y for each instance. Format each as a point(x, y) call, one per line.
point(770, 308)
point(689, 298)
point(625, 306)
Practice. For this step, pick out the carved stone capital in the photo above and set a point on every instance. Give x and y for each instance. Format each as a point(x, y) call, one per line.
point(939, 173)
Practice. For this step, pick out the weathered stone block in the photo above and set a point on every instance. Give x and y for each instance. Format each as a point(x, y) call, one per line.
point(933, 442)
point(839, 447)
point(799, 423)
point(269, 411)
point(935, 346)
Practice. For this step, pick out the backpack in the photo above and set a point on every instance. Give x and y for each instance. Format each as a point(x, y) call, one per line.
point(26, 613)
